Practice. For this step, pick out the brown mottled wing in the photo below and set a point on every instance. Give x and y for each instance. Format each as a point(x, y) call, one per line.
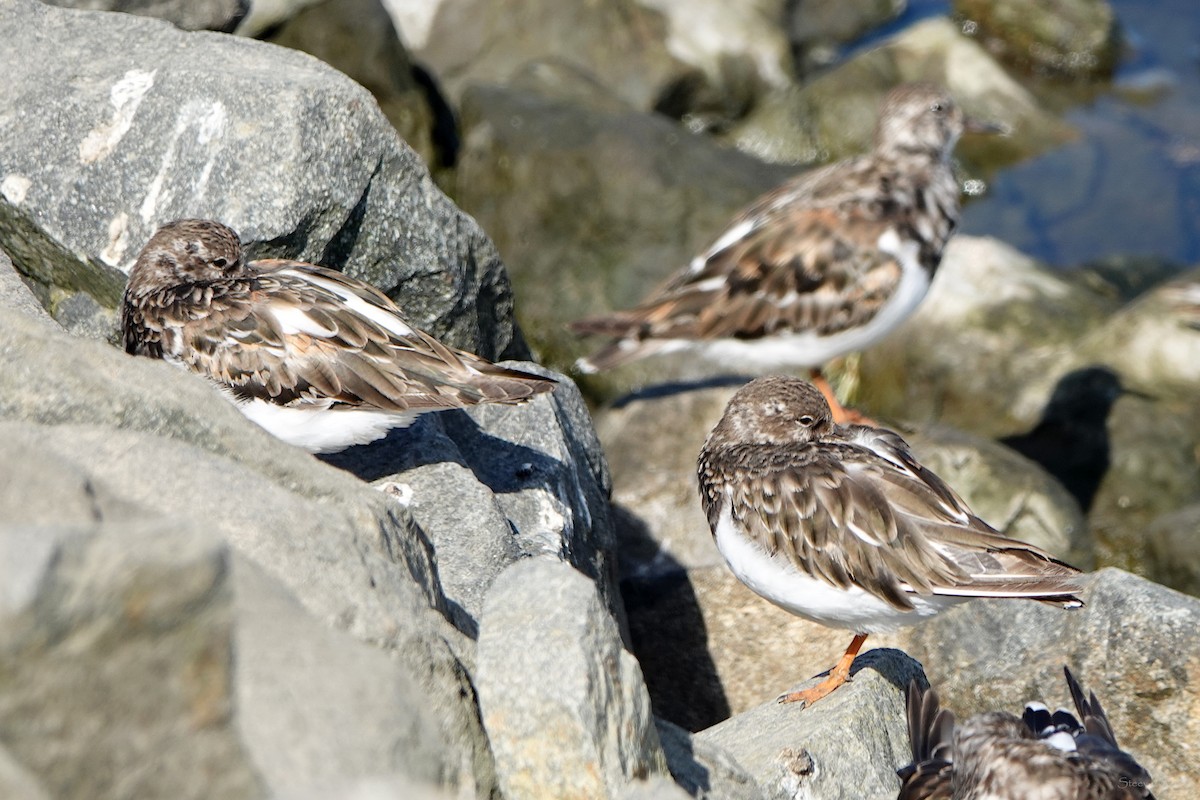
point(803, 258)
point(296, 333)
point(845, 515)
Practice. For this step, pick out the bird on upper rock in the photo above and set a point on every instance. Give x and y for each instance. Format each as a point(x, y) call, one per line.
point(824, 265)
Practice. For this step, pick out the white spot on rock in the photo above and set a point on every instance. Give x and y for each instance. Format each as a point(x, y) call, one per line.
point(118, 240)
point(14, 188)
point(402, 493)
point(126, 95)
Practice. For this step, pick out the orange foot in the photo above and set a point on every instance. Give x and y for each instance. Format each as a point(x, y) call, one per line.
point(837, 676)
point(841, 414)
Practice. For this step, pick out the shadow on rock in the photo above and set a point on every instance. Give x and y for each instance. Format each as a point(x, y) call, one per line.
point(1071, 442)
point(671, 388)
point(667, 630)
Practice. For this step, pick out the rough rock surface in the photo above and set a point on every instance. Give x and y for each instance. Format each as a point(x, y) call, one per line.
point(827, 751)
point(563, 703)
point(101, 422)
point(704, 770)
point(1071, 38)
point(357, 37)
point(165, 124)
point(1136, 645)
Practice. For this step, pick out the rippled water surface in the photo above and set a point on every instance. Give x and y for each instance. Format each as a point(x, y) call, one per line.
point(1130, 185)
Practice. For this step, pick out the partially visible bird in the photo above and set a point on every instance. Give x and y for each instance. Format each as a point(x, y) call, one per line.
point(843, 526)
point(319, 359)
point(826, 264)
point(999, 756)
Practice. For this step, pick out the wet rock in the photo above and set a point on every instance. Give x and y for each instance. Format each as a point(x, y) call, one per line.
point(817, 28)
point(612, 201)
point(1173, 550)
point(834, 115)
point(827, 751)
point(357, 37)
point(587, 731)
point(167, 124)
point(1075, 39)
point(1135, 644)
point(623, 43)
point(190, 15)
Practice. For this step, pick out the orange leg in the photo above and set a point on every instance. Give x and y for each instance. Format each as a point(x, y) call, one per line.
point(837, 676)
point(841, 414)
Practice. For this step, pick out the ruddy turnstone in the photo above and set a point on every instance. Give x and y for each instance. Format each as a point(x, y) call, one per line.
point(842, 526)
point(998, 756)
point(319, 359)
point(824, 265)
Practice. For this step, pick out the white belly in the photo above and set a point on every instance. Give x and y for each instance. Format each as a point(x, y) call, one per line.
point(776, 579)
point(322, 430)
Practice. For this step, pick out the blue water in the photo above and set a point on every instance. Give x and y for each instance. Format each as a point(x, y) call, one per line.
point(1130, 185)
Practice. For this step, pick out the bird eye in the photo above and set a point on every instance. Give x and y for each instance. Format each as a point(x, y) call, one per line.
point(938, 107)
point(806, 420)
point(220, 263)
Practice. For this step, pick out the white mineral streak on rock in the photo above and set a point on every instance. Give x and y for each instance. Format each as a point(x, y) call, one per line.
point(126, 95)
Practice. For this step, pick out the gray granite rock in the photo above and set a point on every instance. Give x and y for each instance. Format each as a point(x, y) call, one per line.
point(564, 705)
point(190, 15)
point(1076, 39)
point(849, 745)
point(1135, 644)
point(655, 788)
point(357, 37)
point(141, 123)
point(98, 422)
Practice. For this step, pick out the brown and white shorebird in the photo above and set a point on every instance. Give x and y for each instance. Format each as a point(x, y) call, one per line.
point(842, 526)
point(999, 756)
point(319, 359)
point(824, 265)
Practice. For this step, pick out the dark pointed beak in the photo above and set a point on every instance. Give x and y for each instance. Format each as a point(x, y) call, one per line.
point(972, 125)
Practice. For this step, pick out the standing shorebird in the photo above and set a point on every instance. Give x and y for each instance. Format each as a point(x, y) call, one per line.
point(842, 526)
point(319, 359)
point(999, 756)
point(826, 264)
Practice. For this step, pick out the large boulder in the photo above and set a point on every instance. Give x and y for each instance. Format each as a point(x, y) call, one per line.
point(1071, 38)
point(166, 124)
